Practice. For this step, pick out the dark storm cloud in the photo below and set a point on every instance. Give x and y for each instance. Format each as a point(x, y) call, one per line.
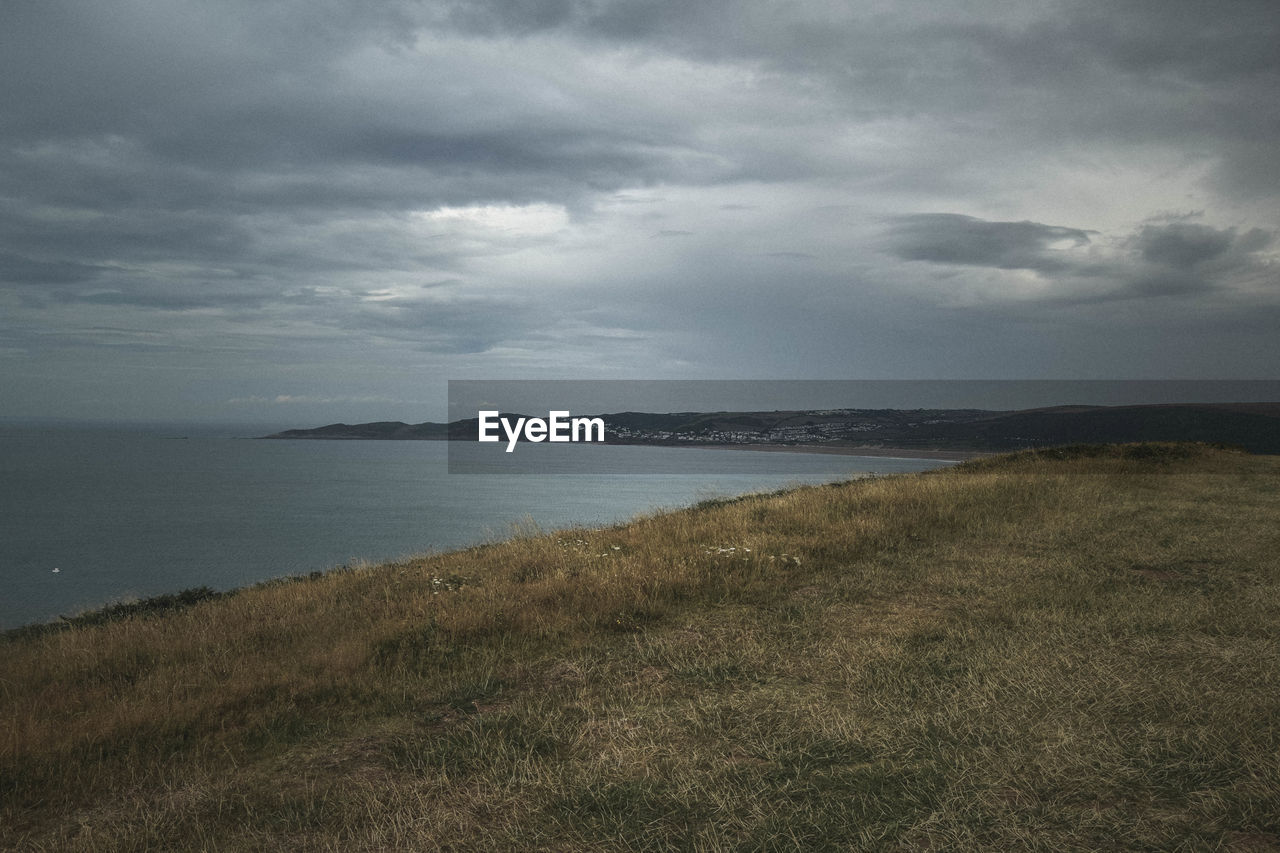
point(1188, 38)
point(1061, 73)
point(1186, 245)
point(207, 136)
point(948, 238)
point(1166, 259)
point(1185, 257)
point(1185, 39)
point(151, 111)
point(258, 105)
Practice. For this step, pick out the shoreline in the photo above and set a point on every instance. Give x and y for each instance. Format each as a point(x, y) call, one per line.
point(835, 450)
point(201, 590)
point(832, 449)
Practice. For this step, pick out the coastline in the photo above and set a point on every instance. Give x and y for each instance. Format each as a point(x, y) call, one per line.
point(501, 662)
point(832, 449)
point(871, 450)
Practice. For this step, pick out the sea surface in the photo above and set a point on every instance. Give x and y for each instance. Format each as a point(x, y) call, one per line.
point(128, 512)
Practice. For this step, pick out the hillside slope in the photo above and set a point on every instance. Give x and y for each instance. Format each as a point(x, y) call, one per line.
point(1055, 650)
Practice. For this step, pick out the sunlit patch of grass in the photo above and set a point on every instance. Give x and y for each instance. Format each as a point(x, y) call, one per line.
point(1059, 649)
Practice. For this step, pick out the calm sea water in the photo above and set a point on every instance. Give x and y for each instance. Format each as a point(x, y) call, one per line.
point(128, 513)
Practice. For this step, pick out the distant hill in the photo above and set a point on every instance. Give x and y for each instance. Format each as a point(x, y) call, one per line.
point(1252, 426)
point(1255, 427)
point(462, 430)
point(394, 430)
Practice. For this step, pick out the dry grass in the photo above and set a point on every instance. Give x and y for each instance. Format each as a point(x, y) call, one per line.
point(1028, 652)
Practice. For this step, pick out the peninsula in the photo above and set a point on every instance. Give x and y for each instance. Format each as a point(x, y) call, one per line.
point(1252, 426)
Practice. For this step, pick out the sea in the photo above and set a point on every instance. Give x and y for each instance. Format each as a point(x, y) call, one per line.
point(97, 515)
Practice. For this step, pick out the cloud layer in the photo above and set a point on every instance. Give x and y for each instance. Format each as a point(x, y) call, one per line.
point(206, 209)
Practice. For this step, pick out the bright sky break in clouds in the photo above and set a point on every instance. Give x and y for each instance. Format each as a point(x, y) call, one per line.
point(303, 211)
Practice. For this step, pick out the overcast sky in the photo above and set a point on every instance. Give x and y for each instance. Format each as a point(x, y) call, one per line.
point(315, 210)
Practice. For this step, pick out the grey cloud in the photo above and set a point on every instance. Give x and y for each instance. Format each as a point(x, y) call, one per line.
point(1170, 259)
point(1248, 168)
point(649, 20)
point(167, 298)
point(1060, 75)
point(464, 325)
point(277, 107)
point(255, 172)
point(18, 269)
point(1183, 245)
point(1186, 257)
point(214, 143)
point(509, 16)
point(949, 238)
point(1192, 39)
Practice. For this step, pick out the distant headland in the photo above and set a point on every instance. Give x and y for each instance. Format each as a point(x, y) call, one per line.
point(1255, 427)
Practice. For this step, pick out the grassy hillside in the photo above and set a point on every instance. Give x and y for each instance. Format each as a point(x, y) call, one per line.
point(1054, 650)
